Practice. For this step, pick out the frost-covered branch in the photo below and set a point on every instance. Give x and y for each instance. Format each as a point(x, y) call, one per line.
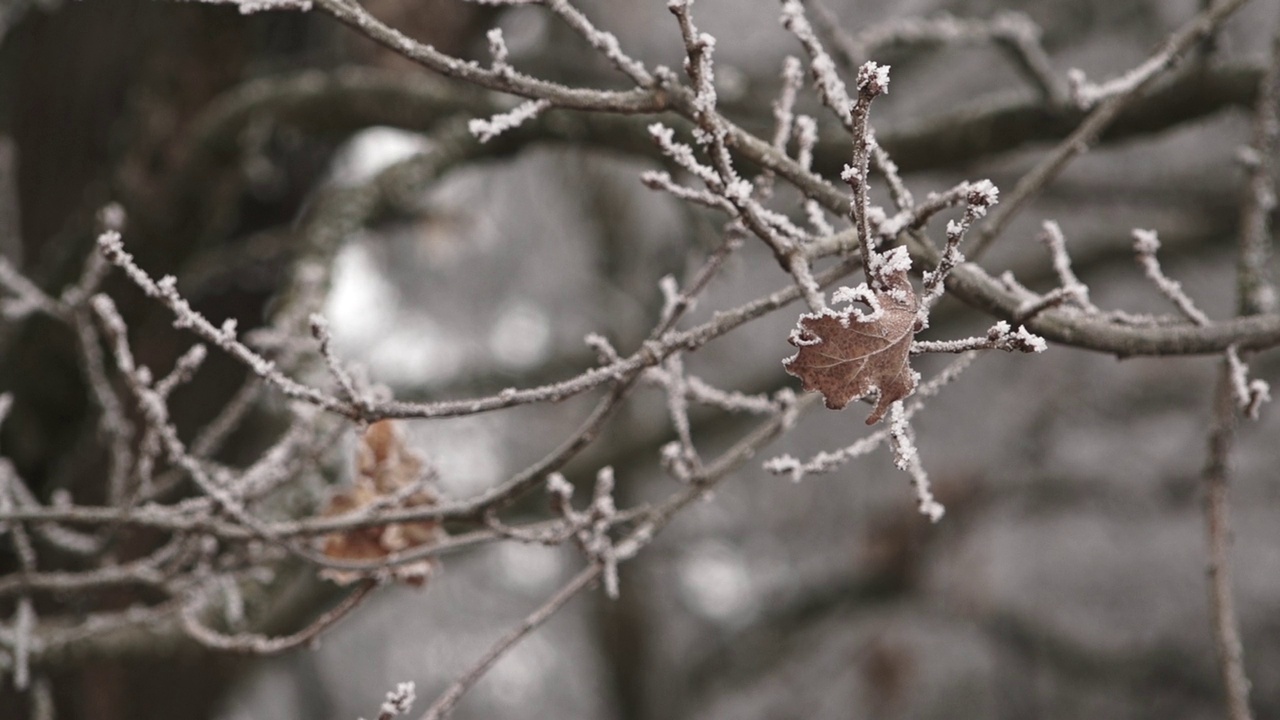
point(1012, 31)
point(1234, 391)
point(1086, 134)
point(825, 462)
point(1087, 94)
point(907, 459)
point(606, 43)
point(486, 130)
point(826, 78)
point(1053, 238)
point(628, 101)
point(1249, 394)
point(873, 80)
point(398, 701)
point(979, 198)
point(249, 7)
point(221, 529)
point(650, 354)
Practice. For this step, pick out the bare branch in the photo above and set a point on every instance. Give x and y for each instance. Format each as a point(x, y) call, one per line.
point(1226, 626)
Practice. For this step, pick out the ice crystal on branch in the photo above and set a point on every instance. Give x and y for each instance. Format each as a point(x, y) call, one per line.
point(873, 79)
point(399, 700)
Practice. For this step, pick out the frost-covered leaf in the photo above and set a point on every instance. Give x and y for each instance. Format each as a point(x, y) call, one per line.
point(847, 354)
point(388, 475)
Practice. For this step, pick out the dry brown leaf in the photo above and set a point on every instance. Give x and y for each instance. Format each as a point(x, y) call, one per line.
point(848, 354)
point(385, 470)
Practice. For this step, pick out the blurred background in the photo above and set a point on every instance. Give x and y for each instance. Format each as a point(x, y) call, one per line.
point(1067, 579)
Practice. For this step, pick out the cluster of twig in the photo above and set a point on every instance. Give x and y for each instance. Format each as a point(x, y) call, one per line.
point(227, 527)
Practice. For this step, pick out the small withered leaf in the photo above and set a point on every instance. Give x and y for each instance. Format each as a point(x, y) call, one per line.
point(390, 475)
point(847, 354)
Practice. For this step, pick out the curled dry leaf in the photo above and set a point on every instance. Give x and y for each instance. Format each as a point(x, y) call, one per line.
point(848, 354)
point(388, 475)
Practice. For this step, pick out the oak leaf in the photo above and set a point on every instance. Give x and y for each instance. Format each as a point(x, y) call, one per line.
point(847, 354)
point(388, 475)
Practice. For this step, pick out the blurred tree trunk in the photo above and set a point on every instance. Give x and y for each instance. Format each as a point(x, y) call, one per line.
point(100, 93)
point(96, 97)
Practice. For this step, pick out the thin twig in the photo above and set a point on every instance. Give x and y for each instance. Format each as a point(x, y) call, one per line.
point(444, 704)
point(632, 101)
point(1226, 625)
point(873, 80)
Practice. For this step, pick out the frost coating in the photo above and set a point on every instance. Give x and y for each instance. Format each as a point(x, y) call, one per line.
point(873, 79)
point(486, 130)
point(249, 7)
point(862, 294)
point(1030, 340)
